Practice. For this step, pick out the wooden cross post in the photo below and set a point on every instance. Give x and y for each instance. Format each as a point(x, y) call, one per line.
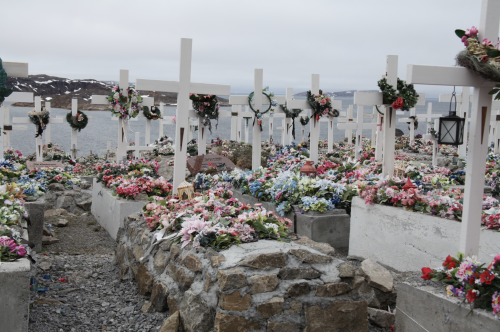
point(52, 120)
point(257, 105)
point(162, 111)
point(13, 69)
point(137, 148)
point(358, 126)
point(463, 111)
point(235, 109)
point(481, 113)
point(429, 117)
point(349, 118)
point(38, 140)
point(5, 125)
point(495, 106)
point(315, 125)
point(434, 143)
point(183, 87)
point(420, 101)
point(74, 132)
point(122, 130)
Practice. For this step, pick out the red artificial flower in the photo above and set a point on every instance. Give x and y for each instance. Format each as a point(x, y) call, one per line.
point(487, 277)
point(471, 296)
point(449, 263)
point(398, 104)
point(426, 273)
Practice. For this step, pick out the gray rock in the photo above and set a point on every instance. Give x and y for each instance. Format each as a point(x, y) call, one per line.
point(381, 318)
point(56, 187)
point(141, 197)
point(66, 203)
point(195, 314)
point(85, 205)
point(376, 275)
point(49, 240)
point(61, 223)
point(85, 185)
point(289, 273)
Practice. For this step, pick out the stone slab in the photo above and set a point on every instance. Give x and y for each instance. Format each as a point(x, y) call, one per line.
point(330, 227)
point(36, 210)
point(39, 164)
point(14, 294)
point(408, 241)
point(200, 163)
point(110, 211)
point(421, 308)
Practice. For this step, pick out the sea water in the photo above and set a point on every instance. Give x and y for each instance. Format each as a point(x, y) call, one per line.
point(102, 129)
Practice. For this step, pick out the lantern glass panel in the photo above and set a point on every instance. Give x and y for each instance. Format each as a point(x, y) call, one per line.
point(451, 130)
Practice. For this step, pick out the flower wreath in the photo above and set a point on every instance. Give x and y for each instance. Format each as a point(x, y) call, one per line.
point(153, 114)
point(39, 119)
point(482, 57)
point(415, 122)
point(304, 120)
point(321, 105)
point(291, 114)
point(206, 107)
point(79, 122)
point(404, 98)
point(125, 106)
point(259, 113)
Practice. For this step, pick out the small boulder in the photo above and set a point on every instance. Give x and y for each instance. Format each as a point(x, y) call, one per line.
point(56, 187)
point(85, 205)
point(381, 318)
point(49, 240)
point(171, 324)
point(146, 307)
point(376, 275)
point(62, 223)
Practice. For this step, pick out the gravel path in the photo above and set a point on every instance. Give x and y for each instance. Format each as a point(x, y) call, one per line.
point(93, 298)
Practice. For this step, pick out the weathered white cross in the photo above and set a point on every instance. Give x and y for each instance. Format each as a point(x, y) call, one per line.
point(183, 87)
point(52, 120)
point(137, 148)
point(463, 112)
point(420, 101)
point(257, 105)
point(109, 150)
point(122, 130)
point(434, 140)
point(314, 124)
point(481, 113)
point(13, 69)
point(349, 118)
point(358, 126)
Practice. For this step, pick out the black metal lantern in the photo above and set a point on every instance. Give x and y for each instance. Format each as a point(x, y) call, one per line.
point(451, 127)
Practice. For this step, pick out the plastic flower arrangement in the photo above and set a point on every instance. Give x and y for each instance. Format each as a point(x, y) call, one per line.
point(10, 245)
point(12, 209)
point(477, 283)
point(125, 104)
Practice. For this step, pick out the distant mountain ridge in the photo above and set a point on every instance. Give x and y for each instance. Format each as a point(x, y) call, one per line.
point(60, 91)
point(349, 93)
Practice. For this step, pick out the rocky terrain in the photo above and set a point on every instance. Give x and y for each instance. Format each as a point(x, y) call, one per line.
point(59, 91)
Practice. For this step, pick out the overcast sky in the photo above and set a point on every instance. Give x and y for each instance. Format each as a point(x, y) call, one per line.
point(346, 42)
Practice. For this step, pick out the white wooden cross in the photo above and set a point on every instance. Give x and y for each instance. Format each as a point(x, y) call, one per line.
point(481, 113)
point(183, 87)
point(370, 98)
point(74, 132)
point(287, 123)
point(137, 148)
point(428, 117)
point(257, 105)
point(329, 121)
point(52, 120)
point(420, 101)
point(13, 69)
point(38, 140)
point(122, 130)
point(148, 102)
point(349, 118)
point(109, 150)
point(314, 125)
point(23, 97)
point(247, 116)
point(463, 111)
point(434, 140)
point(495, 118)
point(358, 126)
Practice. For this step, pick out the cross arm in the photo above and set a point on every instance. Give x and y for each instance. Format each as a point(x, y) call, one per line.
point(440, 75)
point(16, 69)
point(368, 98)
point(99, 99)
point(173, 86)
point(20, 97)
point(243, 100)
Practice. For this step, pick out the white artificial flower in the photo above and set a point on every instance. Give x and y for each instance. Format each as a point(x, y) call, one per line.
point(116, 96)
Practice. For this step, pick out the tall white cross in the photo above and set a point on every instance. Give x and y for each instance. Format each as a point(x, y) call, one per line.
point(183, 87)
point(13, 69)
point(257, 106)
point(358, 126)
point(349, 118)
point(122, 130)
point(52, 120)
point(314, 124)
point(481, 113)
point(369, 98)
point(5, 125)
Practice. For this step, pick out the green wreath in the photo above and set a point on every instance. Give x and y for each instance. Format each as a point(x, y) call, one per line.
point(304, 120)
point(250, 98)
point(40, 120)
point(318, 108)
point(153, 114)
point(405, 91)
point(415, 122)
point(206, 107)
point(79, 122)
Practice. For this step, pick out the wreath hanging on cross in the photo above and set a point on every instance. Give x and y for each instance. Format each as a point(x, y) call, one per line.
point(404, 98)
point(304, 120)
point(415, 122)
point(126, 105)
point(151, 114)
point(78, 122)
point(321, 105)
point(291, 114)
point(258, 113)
point(206, 107)
point(39, 119)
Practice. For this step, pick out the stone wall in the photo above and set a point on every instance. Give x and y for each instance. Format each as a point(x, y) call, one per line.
point(260, 286)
